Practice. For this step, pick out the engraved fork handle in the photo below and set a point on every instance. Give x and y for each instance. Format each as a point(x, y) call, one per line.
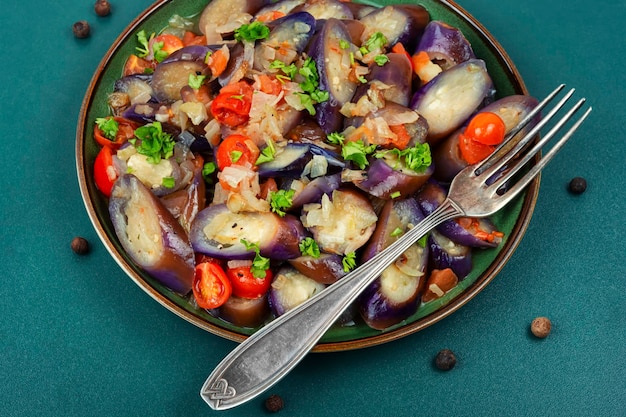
point(269, 354)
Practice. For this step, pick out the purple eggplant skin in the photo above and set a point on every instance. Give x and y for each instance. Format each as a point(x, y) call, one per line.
point(150, 235)
point(383, 181)
point(217, 232)
point(333, 65)
point(315, 189)
point(396, 75)
point(190, 53)
point(169, 78)
point(403, 23)
point(326, 9)
point(325, 269)
point(290, 162)
point(244, 312)
point(291, 288)
point(395, 295)
point(445, 45)
point(511, 109)
point(430, 196)
point(450, 98)
point(137, 86)
point(445, 253)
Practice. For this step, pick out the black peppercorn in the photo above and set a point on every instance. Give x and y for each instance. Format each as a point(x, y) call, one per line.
point(80, 245)
point(102, 7)
point(445, 360)
point(274, 403)
point(577, 185)
point(81, 29)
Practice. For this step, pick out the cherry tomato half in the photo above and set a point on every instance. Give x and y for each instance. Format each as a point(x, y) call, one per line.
point(211, 287)
point(486, 128)
point(246, 285)
point(232, 105)
point(104, 173)
point(171, 43)
point(473, 152)
point(236, 150)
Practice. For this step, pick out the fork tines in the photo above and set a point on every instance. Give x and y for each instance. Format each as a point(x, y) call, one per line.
point(512, 146)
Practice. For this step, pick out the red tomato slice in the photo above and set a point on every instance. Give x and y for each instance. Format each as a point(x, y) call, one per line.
point(246, 285)
point(232, 105)
point(236, 150)
point(104, 173)
point(486, 128)
point(211, 287)
point(171, 43)
point(472, 151)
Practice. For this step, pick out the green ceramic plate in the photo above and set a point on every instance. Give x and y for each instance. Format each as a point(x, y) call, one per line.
point(513, 220)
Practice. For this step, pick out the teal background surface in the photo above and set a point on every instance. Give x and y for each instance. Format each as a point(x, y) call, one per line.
point(79, 338)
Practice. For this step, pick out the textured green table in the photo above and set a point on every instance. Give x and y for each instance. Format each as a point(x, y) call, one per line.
point(79, 338)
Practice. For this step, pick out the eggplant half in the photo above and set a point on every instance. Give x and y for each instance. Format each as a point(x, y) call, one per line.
point(395, 295)
point(291, 288)
point(150, 234)
point(333, 65)
point(342, 222)
point(450, 98)
point(445, 253)
point(325, 269)
point(217, 232)
point(445, 45)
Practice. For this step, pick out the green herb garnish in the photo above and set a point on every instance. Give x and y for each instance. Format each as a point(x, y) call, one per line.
point(396, 232)
point(357, 152)
point(311, 94)
point(260, 264)
point(381, 60)
point(195, 81)
point(308, 247)
point(336, 138)
point(252, 32)
point(144, 44)
point(108, 126)
point(417, 158)
point(168, 182)
point(349, 261)
point(376, 41)
point(235, 155)
point(267, 154)
point(395, 194)
point(207, 170)
point(154, 143)
point(281, 200)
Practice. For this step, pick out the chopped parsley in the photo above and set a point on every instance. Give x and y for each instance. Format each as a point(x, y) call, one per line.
point(260, 264)
point(417, 158)
point(207, 171)
point(311, 94)
point(308, 247)
point(349, 261)
point(108, 126)
point(235, 155)
point(336, 138)
point(376, 42)
point(196, 80)
point(396, 232)
point(344, 44)
point(281, 200)
point(395, 194)
point(357, 152)
point(267, 154)
point(252, 32)
point(381, 60)
point(423, 240)
point(153, 142)
point(144, 44)
point(168, 182)
point(143, 50)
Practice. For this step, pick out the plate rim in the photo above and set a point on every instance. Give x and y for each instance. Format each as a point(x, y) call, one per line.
point(517, 233)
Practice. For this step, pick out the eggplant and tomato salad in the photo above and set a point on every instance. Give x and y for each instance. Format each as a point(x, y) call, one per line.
point(258, 152)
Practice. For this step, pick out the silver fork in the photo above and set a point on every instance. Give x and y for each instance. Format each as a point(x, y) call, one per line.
point(269, 354)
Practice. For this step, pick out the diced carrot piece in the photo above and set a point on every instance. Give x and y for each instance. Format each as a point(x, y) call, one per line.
point(135, 65)
point(217, 62)
point(403, 137)
point(190, 38)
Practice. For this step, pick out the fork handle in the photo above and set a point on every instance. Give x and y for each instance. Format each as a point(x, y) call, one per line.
point(270, 353)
